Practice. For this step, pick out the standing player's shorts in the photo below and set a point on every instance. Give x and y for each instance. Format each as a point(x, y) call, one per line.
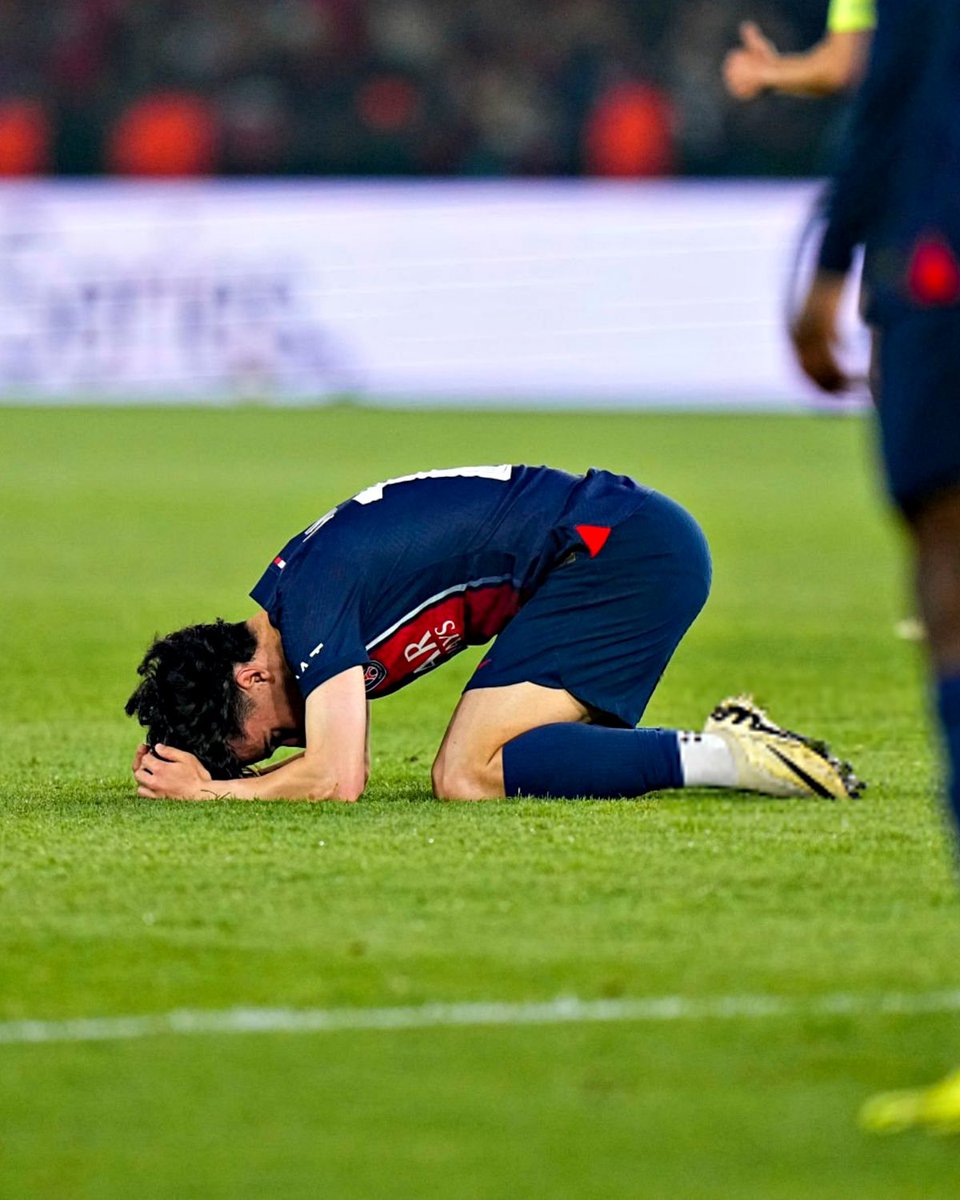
point(604, 627)
point(917, 390)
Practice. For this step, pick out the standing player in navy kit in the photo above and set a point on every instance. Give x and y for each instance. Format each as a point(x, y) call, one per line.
point(897, 191)
point(588, 583)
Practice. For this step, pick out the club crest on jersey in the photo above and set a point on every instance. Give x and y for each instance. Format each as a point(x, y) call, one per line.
point(374, 673)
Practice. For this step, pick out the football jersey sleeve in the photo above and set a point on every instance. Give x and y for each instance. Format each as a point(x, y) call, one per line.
point(851, 16)
point(862, 190)
point(317, 616)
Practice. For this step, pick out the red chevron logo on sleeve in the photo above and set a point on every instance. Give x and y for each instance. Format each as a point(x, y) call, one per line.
point(594, 537)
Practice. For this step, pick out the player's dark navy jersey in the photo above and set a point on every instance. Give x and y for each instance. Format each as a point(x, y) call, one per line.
point(898, 185)
point(407, 573)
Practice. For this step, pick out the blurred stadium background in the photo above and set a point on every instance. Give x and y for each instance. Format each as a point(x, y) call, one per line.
point(393, 87)
point(546, 201)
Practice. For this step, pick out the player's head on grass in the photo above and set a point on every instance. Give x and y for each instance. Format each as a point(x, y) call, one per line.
point(223, 692)
point(189, 696)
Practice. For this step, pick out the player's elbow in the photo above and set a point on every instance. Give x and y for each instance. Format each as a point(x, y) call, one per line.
point(356, 783)
point(348, 788)
point(344, 791)
point(346, 784)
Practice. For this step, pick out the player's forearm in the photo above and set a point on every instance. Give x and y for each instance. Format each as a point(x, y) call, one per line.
point(301, 777)
point(831, 66)
point(277, 765)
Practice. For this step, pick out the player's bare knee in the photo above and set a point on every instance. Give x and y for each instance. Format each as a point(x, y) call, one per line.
point(462, 778)
point(455, 783)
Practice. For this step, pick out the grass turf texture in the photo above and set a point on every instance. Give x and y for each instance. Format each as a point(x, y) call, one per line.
point(116, 525)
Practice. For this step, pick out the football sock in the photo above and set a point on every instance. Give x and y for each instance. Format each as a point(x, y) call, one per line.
point(569, 760)
point(948, 709)
point(706, 761)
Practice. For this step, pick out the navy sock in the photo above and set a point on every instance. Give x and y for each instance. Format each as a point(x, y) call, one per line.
point(948, 709)
point(564, 761)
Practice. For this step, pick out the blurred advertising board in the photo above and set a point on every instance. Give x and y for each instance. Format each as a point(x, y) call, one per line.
point(573, 293)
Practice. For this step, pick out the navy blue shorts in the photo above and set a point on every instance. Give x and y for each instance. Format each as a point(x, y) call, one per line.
point(918, 404)
point(604, 628)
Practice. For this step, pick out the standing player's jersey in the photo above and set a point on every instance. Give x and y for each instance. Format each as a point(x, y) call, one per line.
point(407, 573)
point(897, 189)
point(851, 16)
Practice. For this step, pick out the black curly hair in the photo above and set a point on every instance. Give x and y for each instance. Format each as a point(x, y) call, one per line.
point(189, 697)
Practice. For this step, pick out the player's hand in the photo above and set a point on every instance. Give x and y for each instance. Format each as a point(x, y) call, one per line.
point(815, 334)
point(747, 70)
point(165, 773)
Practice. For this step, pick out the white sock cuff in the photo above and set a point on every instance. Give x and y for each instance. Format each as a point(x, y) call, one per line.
point(706, 760)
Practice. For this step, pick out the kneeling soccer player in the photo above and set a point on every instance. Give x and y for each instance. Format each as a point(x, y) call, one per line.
point(588, 583)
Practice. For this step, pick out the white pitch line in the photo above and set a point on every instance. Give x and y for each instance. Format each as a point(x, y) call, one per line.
point(561, 1011)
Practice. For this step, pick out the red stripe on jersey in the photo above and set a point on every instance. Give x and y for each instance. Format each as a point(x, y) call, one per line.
point(437, 633)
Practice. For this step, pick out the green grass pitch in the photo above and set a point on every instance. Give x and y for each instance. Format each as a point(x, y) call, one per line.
point(115, 525)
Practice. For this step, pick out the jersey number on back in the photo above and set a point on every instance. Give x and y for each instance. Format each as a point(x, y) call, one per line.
point(371, 494)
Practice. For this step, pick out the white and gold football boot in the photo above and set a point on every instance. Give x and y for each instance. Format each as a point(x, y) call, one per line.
point(776, 761)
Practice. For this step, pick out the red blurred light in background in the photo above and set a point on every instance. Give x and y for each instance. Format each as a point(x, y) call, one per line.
point(169, 134)
point(388, 104)
point(630, 133)
point(24, 138)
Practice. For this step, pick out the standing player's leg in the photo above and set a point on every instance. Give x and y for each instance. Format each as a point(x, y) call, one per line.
point(935, 530)
point(936, 537)
point(551, 710)
point(918, 394)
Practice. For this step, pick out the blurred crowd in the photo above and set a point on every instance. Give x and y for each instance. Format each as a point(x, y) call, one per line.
point(396, 87)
